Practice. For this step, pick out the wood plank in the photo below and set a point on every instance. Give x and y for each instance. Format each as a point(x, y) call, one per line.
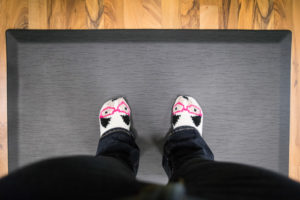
point(3, 97)
point(57, 14)
point(246, 15)
point(13, 14)
point(283, 14)
point(231, 13)
point(264, 15)
point(209, 14)
point(142, 14)
point(294, 156)
point(170, 14)
point(94, 11)
point(37, 14)
point(113, 14)
point(75, 14)
point(189, 14)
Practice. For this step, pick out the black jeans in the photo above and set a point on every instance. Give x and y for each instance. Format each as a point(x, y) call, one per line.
point(187, 160)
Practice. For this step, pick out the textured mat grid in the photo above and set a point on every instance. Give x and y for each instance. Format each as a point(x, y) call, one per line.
point(57, 80)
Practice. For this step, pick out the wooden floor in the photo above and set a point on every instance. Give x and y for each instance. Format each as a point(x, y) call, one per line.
point(170, 14)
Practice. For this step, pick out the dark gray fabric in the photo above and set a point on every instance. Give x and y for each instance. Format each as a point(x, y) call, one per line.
point(57, 81)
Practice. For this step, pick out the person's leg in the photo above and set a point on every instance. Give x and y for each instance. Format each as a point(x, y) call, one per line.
point(117, 139)
point(188, 158)
point(184, 141)
point(108, 175)
point(120, 144)
point(85, 177)
point(183, 144)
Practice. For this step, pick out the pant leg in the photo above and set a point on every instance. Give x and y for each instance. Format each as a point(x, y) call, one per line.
point(184, 143)
point(109, 175)
point(187, 158)
point(120, 144)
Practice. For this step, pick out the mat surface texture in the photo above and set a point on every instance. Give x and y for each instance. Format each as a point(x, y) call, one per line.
point(57, 81)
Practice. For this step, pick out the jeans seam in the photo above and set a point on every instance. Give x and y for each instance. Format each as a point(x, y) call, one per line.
point(119, 130)
point(179, 129)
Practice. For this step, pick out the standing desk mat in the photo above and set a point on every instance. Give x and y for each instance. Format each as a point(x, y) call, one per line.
point(57, 81)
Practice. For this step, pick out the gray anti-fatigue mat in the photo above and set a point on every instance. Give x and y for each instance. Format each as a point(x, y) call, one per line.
point(57, 81)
